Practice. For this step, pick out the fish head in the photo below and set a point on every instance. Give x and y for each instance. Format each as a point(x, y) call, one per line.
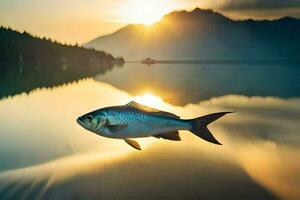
point(93, 121)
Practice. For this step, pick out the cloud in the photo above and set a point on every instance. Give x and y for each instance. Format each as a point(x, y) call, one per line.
point(254, 9)
point(264, 118)
point(275, 166)
point(257, 4)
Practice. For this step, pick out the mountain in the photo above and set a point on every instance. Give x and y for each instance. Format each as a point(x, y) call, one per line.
point(204, 34)
point(28, 62)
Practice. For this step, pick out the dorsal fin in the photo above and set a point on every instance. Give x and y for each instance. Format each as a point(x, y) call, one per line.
point(141, 107)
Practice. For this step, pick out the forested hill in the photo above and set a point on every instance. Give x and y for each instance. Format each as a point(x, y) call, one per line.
point(28, 62)
point(18, 47)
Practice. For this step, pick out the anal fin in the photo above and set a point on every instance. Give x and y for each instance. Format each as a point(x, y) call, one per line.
point(133, 143)
point(169, 136)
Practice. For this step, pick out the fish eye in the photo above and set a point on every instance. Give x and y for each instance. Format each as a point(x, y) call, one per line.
point(89, 117)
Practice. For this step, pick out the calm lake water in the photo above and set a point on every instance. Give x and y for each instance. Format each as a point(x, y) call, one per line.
point(182, 84)
point(45, 154)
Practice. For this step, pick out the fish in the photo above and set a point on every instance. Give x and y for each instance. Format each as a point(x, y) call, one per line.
point(135, 120)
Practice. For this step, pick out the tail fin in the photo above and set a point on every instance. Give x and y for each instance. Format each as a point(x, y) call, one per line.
point(199, 126)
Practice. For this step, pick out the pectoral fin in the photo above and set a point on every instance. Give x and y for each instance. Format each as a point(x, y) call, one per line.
point(133, 143)
point(116, 128)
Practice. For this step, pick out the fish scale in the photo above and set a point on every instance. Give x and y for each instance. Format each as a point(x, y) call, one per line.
point(143, 124)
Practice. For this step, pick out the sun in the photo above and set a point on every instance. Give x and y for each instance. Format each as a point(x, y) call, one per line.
point(145, 12)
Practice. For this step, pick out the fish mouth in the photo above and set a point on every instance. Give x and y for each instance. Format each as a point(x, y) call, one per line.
point(83, 124)
point(80, 121)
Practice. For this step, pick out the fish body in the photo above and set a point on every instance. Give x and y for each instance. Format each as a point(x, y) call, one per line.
point(134, 120)
point(135, 123)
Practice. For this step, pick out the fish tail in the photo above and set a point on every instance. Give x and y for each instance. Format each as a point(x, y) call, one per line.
point(199, 126)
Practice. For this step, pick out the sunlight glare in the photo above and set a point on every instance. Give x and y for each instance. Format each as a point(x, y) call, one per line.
point(145, 12)
point(149, 99)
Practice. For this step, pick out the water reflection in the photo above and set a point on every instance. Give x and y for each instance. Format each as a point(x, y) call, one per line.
point(24, 77)
point(186, 83)
point(43, 123)
point(176, 83)
point(44, 153)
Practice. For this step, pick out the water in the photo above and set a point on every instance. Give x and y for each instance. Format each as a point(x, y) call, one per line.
point(45, 154)
point(185, 83)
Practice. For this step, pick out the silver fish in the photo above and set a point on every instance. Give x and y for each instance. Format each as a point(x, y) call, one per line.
point(134, 120)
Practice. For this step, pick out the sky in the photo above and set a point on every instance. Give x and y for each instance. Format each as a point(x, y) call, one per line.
point(79, 21)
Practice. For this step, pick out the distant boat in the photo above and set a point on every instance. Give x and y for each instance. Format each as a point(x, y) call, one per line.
point(148, 61)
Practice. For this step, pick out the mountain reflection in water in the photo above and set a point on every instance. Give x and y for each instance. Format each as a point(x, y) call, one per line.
point(175, 83)
point(190, 83)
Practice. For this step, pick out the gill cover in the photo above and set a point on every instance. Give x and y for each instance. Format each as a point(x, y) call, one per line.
point(101, 122)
